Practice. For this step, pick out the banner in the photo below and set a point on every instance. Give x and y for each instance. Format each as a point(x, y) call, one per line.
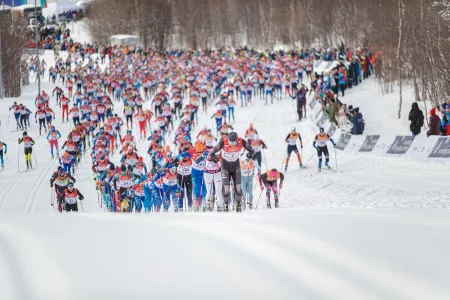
point(369, 143)
point(441, 149)
point(331, 131)
point(343, 141)
point(322, 121)
point(401, 145)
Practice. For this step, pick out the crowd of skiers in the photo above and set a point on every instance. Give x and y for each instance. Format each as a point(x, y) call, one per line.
point(156, 97)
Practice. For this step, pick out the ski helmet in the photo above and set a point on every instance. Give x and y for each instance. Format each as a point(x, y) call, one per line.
point(123, 168)
point(111, 167)
point(249, 155)
point(199, 147)
point(232, 137)
point(322, 130)
point(293, 129)
point(53, 128)
point(70, 185)
point(24, 133)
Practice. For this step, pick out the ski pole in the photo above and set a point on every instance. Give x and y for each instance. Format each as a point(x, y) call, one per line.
point(51, 196)
point(82, 208)
point(18, 154)
point(265, 160)
point(335, 158)
point(311, 156)
point(282, 162)
point(34, 155)
point(257, 203)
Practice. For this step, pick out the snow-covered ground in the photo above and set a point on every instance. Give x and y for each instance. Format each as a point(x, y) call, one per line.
point(281, 254)
point(375, 230)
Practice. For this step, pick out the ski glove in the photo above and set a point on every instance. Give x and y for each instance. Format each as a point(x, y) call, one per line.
point(281, 185)
point(51, 185)
point(262, 188)
point(81, 198)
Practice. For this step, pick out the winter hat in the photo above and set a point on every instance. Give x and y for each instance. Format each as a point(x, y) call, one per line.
point(433, 111)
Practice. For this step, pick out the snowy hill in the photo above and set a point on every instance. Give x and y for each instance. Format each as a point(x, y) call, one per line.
point(325, 242)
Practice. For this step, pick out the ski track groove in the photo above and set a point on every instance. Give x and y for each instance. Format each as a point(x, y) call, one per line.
point(37, 187)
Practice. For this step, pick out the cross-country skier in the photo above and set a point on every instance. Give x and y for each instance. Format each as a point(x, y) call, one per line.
point(320, 144)
point(70, 198)
point(52, 137)
point(300, 96)
point(16, 111)
point(28, 143)
point(231, 169)
point(269, 179)
point(184, 179)
point(139, 196)
point(170, 187)
point(247, 173)
point(258, 145)
point(198, 167)
point(213, 182)
point(60, 179)
point(291, 140)
point(124, 183)
point(3, 147)
point(250, 133)
point(66, 161)
point(40, 115)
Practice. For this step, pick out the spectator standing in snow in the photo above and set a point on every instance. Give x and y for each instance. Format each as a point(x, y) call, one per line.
point(416, 117)
point(357, 121)
point(435, 123)
point(333, 109)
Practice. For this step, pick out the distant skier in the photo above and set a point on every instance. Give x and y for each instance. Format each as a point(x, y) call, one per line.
point(52, 137)
point(231, 169)
point(291, 140)
point(320, 143)
point(3, 147)
point(28, 143)
point(270, 179)
point(300, 96)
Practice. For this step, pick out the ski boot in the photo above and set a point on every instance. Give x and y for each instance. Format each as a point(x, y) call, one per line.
point(268, 205)
point(165, 210)
point(250, 205)
point(205, 208)
point(276, 204)
point(301, 166)
point(328, 166)
point(175, 209)
point(238, 208)
point(219, 208)
point(225, 208)
point(285, 168)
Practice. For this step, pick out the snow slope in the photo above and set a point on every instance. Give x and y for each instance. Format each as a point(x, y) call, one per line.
point(327, 241)
point(281, 254)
